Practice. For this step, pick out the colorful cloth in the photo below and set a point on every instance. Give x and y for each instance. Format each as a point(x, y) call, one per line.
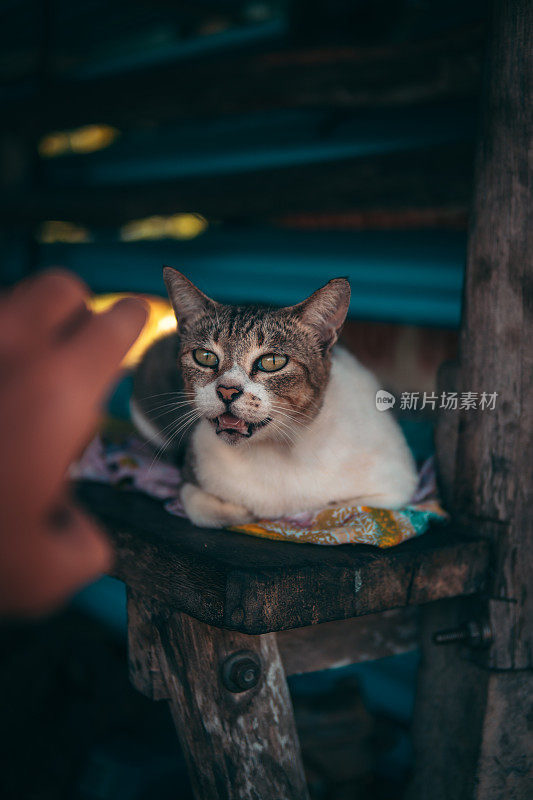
point(127, 463)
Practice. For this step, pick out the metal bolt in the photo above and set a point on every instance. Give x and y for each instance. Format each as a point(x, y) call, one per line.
point(241, 671)
point(475, 633)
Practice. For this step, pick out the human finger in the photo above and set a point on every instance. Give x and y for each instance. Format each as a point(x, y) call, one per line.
point(32, 311)
point(67, 552)
point(53, 406)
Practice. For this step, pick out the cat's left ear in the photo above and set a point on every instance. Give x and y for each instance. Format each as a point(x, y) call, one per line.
point(187, 300)
point(325, 310)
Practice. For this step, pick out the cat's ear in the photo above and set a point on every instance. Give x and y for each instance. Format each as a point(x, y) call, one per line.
point(325, 310)
point(187, 301)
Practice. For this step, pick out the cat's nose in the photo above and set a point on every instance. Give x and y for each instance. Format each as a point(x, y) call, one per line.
point(228, 393)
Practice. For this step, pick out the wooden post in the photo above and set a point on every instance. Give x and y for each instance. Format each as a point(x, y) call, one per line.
point(493, 475)
point(471, 733)
point(240, 744)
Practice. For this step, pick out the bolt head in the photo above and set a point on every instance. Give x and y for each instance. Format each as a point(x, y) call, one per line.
point(241, 671)
point(246, 675)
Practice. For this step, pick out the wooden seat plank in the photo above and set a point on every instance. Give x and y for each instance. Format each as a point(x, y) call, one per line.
point(259, 586)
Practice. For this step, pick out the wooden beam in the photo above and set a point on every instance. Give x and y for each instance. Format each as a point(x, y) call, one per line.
point(452, 218)
point(447, 66)
point(350, 641)
point(429, 177)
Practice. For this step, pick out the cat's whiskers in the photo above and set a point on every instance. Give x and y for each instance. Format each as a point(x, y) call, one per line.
point(283, 409)
point(281, 436)
point(301, 425)
point(186, 428)
point(284, 414)
point(170, 425)
point(282, 433)
point(289, 428)
point(289, 432)
point(325, 470)
point(300, 435)
point(181, 425)
point(168, 395)
point(183, 428)
point(294, 422)
point(173, 435)
point(167, 408)
point(177, 400)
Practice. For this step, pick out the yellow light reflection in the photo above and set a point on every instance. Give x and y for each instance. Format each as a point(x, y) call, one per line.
point(161, 320)
point(176, 226)
point(87, 139)
point(55, 230)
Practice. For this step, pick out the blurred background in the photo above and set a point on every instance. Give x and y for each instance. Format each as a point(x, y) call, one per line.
point(261, 147)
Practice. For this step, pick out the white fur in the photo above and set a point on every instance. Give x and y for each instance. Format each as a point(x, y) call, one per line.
point(206, 509)
point(350, 452)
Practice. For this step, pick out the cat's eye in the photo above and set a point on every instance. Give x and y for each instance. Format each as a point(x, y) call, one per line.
point(205, 358)
point(271, 362)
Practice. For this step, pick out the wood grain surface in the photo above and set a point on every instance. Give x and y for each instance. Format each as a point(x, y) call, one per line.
point(255, 585)
point(238, 745)
point(494, 465)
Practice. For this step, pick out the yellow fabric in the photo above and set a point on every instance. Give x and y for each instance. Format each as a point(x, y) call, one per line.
point(351, 525)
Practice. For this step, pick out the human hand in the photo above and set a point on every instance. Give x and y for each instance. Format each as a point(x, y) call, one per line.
point(57, 360)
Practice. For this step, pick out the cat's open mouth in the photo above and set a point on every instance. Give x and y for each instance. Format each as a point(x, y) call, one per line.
point(228, 423)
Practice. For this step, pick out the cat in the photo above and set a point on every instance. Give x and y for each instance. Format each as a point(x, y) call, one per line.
point(268, 415)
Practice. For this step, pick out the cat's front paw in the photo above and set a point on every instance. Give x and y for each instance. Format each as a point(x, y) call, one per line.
point(208, 511)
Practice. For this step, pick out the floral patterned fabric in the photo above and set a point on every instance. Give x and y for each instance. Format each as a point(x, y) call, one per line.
point(127, 463)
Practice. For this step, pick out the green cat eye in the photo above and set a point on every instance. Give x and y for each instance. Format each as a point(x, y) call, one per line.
point(271, 362)
point(205, 358)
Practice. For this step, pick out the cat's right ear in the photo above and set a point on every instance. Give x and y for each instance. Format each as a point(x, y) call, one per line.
point(325, 310)
point(187, 300)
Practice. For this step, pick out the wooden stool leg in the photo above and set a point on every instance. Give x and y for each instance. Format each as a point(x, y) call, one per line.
point(240, 745)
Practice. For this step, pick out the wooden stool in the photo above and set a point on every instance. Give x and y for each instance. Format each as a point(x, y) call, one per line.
point(216, 620)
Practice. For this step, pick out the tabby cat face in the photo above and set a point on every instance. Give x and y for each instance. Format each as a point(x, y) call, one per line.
point(256, 373)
